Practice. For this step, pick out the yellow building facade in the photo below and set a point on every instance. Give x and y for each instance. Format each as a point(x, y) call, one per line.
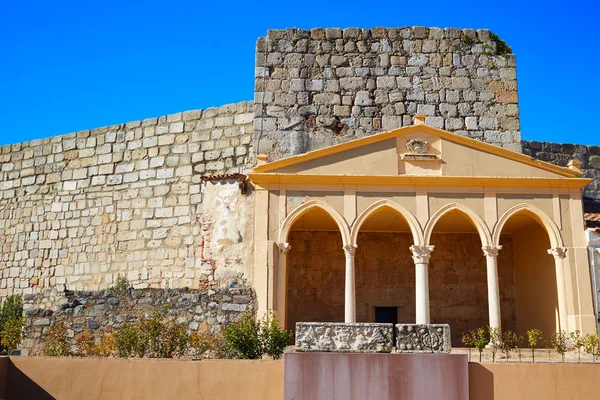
point(420, 225)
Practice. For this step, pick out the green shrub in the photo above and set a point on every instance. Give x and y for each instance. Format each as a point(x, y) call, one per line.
point(87, 346)
point(129, 342)
point(578, 342)
point(251, 339)
point(12, 307)
point(244, 337)
point(120, 283)
point(173, 341)
point(534, 340)
point(273, 337)
point(480, 340)
point(591, 345)
point(510, 341)
point(467, 340)
point(57, 341)
point(495, 343)
point(12, 333)
point(559, 343)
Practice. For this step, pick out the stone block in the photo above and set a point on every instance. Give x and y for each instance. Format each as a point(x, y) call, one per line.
point(423, 338)
point(344, 337)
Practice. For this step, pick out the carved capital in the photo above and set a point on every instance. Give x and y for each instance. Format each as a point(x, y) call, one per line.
point(421, 254)
point(284, 247)
point(350, 250)
point(558, 252)
point(491, 251)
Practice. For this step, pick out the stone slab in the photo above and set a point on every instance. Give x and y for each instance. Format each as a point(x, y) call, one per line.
point(423, 338)
point(344, 337)
point(329, 376)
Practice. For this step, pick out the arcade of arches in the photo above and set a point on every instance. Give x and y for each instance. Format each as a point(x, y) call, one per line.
point(474, 236)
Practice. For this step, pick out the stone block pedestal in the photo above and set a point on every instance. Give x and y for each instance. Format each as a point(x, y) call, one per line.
point(331, 376)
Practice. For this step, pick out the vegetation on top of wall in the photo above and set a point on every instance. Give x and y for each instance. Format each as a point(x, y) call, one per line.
point(121, 284)
point(502, 48)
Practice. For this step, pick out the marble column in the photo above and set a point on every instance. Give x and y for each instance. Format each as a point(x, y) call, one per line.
point(493, 286)
point(421, 256)
point(559, 254)
point(349, 291)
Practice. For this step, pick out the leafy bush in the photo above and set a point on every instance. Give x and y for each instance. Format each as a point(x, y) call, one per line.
point(57, 341)
point(578, 342)
point(87, 346)
point(251, 339)
point(129, 342)
point(467, 340)
point(559, 343)
point(534, 340)
point(480, 340)
point(244, 337)
point(151, 337)
point(591, 345)
point(12, 307)
point(210, 345)
point(495, 343)
point(510, 341)
point(12, 333)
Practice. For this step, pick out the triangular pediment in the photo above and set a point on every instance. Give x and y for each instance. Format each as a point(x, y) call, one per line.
point(418, 150)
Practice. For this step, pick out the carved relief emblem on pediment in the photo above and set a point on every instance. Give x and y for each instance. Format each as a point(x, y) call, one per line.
point(417, 146)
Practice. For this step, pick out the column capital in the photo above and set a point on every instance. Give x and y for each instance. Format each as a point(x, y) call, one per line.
point(421, 254)
point(350, 250)
point(284, 247)
point(491, 251)
point(559, 253)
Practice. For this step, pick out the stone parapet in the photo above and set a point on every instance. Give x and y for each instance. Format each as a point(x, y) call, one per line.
point(343, 337)
point(423, 338)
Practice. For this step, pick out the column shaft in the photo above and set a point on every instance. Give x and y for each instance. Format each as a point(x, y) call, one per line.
point(349, 289)
point(559, 254)
point(493, 286)
point(421, 256)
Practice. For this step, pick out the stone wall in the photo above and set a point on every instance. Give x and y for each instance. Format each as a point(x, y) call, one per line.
point(106, 311)
point(78, 209)
point(315, 88)
point(385, 276)
point(561, 153)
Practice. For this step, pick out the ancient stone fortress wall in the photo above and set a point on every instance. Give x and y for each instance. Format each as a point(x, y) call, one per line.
point(315, 88)
point(77, 210)
point(561, 153)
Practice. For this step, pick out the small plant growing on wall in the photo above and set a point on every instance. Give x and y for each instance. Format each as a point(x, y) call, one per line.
point(57, 341)
point(591, 345)
point(534, 340)
point(121, 283)
point(480, 340)
point(510, 341)
point(467, 341)
point(578, 342)
point(559, 343)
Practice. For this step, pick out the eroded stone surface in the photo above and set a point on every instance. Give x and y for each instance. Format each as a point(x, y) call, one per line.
point(423, 338)
point(342, 337)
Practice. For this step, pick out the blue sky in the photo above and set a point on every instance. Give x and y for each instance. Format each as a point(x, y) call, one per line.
point(73, 65)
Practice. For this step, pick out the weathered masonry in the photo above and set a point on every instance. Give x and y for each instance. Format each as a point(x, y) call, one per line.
point(172, 202)
point(435, 226)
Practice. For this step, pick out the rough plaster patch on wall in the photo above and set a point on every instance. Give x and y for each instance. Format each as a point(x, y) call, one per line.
point(227, 225)
point(76, 210)
point(315, 88)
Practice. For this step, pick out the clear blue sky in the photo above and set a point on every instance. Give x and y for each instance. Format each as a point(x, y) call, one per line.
point(68, 66)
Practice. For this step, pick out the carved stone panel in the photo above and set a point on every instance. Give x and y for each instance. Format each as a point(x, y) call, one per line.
point(425, 338)
point(342, 337)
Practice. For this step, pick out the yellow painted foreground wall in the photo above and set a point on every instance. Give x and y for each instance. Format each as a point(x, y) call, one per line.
point(77, 378)
point(527, 381)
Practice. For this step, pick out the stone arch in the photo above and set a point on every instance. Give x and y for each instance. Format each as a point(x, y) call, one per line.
point(413, 223)
point(302, 209)
point(547, 222)
point(482, 228)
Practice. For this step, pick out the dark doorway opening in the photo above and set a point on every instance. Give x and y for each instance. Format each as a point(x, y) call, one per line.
point(388, 315)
